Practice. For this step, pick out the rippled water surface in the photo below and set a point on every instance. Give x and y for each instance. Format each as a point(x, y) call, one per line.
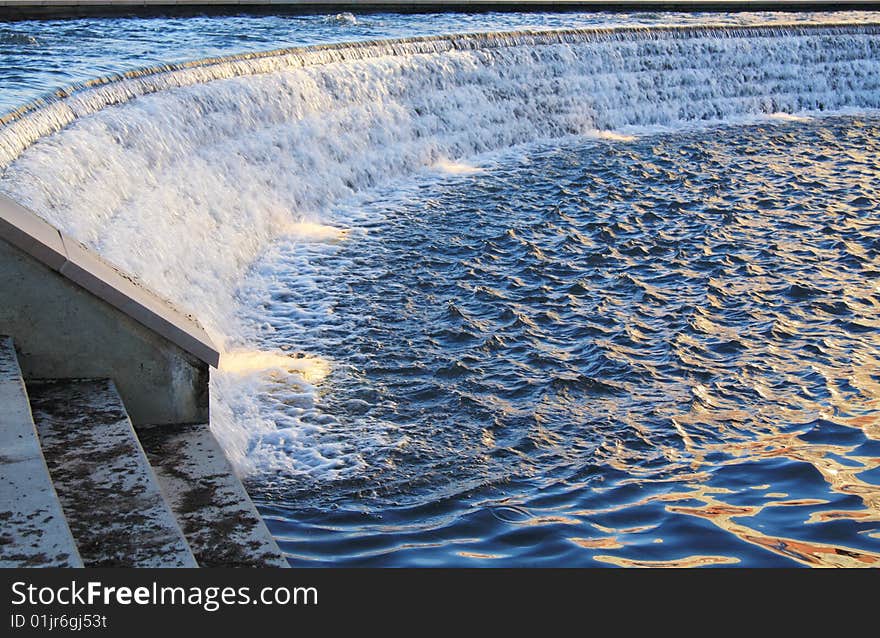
point(662, 350)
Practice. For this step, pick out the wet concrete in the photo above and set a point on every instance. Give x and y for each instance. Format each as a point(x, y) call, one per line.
point(113, 504)
point(221, 525)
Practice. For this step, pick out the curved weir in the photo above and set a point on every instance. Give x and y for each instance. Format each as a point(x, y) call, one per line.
point(57, 110)
point(197, 168)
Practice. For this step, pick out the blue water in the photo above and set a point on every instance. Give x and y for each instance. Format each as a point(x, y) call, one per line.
point(544, 314)
point(659, 351)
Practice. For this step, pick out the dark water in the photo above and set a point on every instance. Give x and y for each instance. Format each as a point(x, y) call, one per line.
point(663, 351)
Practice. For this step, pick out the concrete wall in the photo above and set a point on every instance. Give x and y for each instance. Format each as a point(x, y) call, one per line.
point(63, 331)
point(73, 315)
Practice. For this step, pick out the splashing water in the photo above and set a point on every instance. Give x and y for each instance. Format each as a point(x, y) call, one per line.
point(455, 168)
point(242, 362)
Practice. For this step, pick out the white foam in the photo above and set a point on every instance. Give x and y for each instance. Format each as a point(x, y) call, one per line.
point(313, 231)
point(451, 167)
point(312, 369)
point(342, 18)
point(788, 117)
point(611, 136)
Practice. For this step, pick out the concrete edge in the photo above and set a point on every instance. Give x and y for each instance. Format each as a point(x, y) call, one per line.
point(38, 238)
point(40, 534)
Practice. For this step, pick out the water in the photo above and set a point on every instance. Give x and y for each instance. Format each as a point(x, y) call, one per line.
point(583, 299)
point(659, 350)
point(38, 56)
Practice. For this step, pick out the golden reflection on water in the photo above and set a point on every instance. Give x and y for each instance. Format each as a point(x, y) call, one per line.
point(795, 381)
point(689, 561)
point(310, 368)
point(840, 477)
point(717, 424)
point(609, 542)
point(481, 556)
point(808, 553)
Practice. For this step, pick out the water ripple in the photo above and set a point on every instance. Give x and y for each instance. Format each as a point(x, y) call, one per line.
point(652, 352)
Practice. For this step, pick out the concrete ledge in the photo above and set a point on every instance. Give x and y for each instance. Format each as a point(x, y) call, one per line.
point(63, 330)
point(45, 243)
point(72, 315)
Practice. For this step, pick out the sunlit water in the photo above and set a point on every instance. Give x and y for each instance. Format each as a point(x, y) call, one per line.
point(611, 300)
point(664, 350)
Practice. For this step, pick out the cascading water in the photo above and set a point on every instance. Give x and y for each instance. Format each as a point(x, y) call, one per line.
point(187, 175)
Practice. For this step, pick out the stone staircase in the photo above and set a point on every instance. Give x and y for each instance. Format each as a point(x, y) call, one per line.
point(79, 486)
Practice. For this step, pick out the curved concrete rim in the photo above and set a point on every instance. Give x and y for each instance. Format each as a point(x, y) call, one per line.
point(24, 126)
point(475, 40)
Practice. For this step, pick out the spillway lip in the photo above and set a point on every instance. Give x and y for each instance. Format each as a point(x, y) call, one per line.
point(22, 127)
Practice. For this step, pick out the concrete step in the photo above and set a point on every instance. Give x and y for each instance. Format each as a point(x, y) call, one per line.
point(33, 531)
point(221, 524)
point(109, 493)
